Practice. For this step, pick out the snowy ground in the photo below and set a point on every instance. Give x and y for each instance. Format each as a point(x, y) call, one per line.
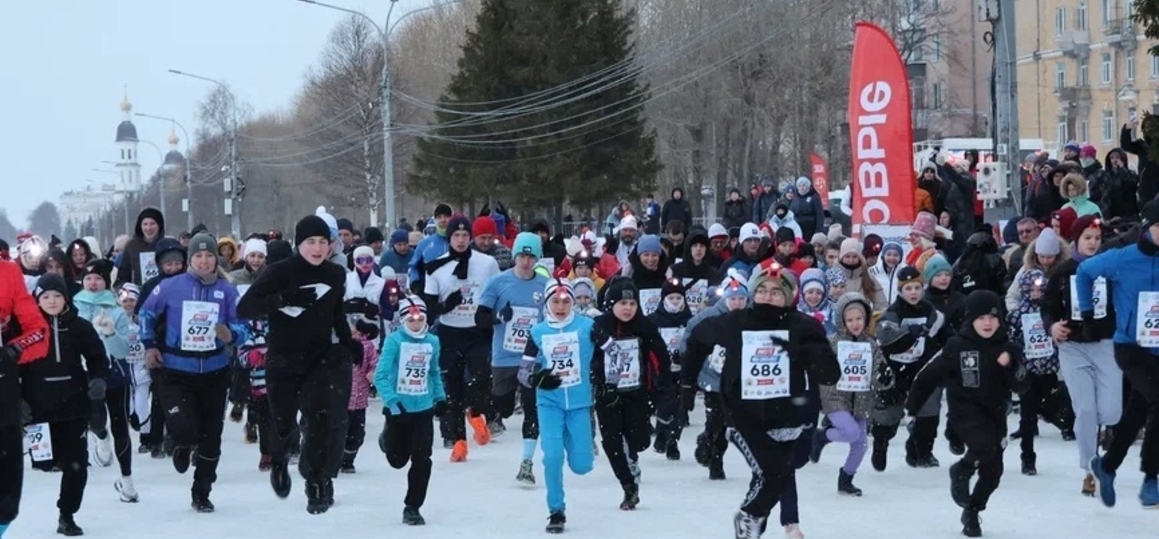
point(480, 499)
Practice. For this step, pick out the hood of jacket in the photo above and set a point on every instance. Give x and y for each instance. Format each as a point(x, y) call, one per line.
point(844, 302)
point(104, 298)
point(154, 214)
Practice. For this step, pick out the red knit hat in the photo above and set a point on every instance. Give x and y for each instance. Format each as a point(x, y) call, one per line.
point(1082, 223)
point(484, 225)
point(1066, 218)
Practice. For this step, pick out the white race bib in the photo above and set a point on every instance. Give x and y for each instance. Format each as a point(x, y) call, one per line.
point(136, 347)
point(1147, 321)
point(38, 438)
point(1098, 298)
point(694, 294)
point(765, 366)
point(242, 289)
point(465, 312)
point(562, 351)
point(1036, 343)
point(716, 358)
point(414, 366)
point(672, 337)
point(915, 352)
point(856, 360)
point(519, 328)
point(148, 265)
point(650, 300)
point(629, 361)
point(197, 321)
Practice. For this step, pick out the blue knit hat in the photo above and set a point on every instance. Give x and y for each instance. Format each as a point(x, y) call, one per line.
point(648, 244)
point(935, 265)
point(399, 236)
point(834, 275)
point(527, 243)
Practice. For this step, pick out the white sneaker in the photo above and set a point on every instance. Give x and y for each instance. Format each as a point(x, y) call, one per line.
point(747, 526)
point(128, 491)
point(102, 454)
point(793, 531)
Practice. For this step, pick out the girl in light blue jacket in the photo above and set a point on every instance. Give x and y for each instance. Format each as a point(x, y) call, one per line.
point(408, 380)
point(97, 304)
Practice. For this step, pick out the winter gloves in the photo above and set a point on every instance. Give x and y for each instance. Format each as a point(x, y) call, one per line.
point(10, 352)
point(97, 388)
point(885, 376)
point(454, 299)
point(545, 379)
point(506, 313)
point(440, 408)
point(104, 323)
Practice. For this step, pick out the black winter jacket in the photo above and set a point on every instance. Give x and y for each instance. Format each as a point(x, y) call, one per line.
point(1056, 306)
point(736, 213)
point(57, 387)
point(652, 357)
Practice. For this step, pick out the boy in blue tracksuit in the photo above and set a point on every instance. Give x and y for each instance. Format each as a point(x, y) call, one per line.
point(429, 248)
point(1132, 276)
point(557, 363)
point(187, 324)
point(411, 398)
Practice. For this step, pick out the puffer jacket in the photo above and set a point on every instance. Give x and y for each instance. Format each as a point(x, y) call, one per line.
point(861, 403)
point(57, 387)
point(362, 375)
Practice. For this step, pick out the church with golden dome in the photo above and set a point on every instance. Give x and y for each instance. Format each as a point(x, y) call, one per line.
point(127, 164)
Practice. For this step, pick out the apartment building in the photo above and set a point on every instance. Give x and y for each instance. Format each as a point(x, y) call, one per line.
point(949, 70)
point(1083, 70)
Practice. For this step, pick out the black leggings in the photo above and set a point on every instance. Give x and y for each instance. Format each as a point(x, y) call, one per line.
point(117, 402)
point(11, 471)
point(624, 422)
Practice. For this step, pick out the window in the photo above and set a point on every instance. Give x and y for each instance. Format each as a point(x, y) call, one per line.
point(1060, 22)
point(1061, 133)
point(1154, 67)
point(1084, 130)
point(1107, 11)
point(1060, 75)
point(918, 54)
point(937, 96)
point(1108, 125)
point(1080, 17)
point(918, 91)
point(1084, 69)
point(1106, 68)
point(1129, 72)
point(122, 155)
point(937, 48)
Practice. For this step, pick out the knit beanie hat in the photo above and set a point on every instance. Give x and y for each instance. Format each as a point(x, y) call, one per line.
point(872, 245)
point(1047, 243)
point(1066, 218)
point(130, 291)
point(483, 226)
point(648, 243)
point(372, 235)
point(558, 286)
point(202, 242)
point(784, 235)
point(851, 245)
point(935, 265)
point(834, 275)
point(982, 302)
point(527, 243)
point(331, 222)
point(734, 287)
point(1081, 224)
point(717, 230)
point(311, 226)
point(618, 289)
point(51, 282)
point(582, 286)
point(363, 251)
point(893, 246)
point(770, 270)
point(814, 278)
point(907, 275)
point(414, 237)
point(459, 223)
point(102, 268)
point(443, 209)
point(254, 245)
point(749, 231)
point(819, 239)
point(672, 286)
point(278, 250)
point(411, 307)
point(1088, 151)
point(345, 224)
point(924, 225)
point(399, 236)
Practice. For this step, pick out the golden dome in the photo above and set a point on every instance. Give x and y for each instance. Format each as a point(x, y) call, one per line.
point(173, 140)
point(126, 106)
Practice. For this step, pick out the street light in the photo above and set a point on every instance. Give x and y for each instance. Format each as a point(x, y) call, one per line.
point(388, 149)
point(188, 176)
point(124, 201)
point(235, 215)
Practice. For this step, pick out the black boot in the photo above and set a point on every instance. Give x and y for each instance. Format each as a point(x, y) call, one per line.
point(280, 480)
point(315, 500)
point(845, 483)
point(960, 474)
point(1028, 464)
point(971, 523)
point(820, 440)
point(412, 517)
point(555, 522)
point(673, 449)
point(631, 497)
point(328, 492)
point(703, 453)
point(348, 463)
point(182, 456)
point(880, 454)
point(200, 500)
point(716, 469)
point(660, 444)
point(67, 527)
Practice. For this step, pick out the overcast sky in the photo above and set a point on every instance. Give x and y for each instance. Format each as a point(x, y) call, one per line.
point(65, 65)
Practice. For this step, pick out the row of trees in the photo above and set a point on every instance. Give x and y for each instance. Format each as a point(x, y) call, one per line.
point(552, 106)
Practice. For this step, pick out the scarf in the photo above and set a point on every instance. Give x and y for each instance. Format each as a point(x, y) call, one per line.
point(463, 262)
point(561, 323)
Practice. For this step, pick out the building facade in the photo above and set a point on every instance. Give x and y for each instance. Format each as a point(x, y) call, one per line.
point(1083, 71)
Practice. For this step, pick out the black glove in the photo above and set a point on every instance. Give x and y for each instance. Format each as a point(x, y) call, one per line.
point(371, 310)
point(299, 297)
point(1089, 333)
point(885, 376)
point(10, 352)
point(25, 413)
point(354, 347)
point(453, 300)
point(506, 313)
point(688, 397)
point(600, 334)
point(97, 389)
point(780, 342)
point(916, 330)
point(546, 380)
point(440, 408)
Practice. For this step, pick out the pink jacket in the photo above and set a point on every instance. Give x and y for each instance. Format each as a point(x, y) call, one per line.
point(360, 386)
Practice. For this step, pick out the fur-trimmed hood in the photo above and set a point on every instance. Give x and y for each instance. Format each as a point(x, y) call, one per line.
point(1073, 181)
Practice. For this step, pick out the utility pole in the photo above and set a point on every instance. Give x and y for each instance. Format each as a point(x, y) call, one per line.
point(235, 198)
point(1006, 92)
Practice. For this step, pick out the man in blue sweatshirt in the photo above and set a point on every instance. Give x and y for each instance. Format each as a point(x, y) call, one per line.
point(187, 322)
point(430, 248)
point(1132, 275)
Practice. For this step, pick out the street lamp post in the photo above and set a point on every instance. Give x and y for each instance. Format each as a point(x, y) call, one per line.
point(387, 149)
point(188, 176)
point(160, 173)
point(234, 214)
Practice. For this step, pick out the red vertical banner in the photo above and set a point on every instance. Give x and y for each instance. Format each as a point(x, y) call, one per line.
point(880, 132)
point(820, 177)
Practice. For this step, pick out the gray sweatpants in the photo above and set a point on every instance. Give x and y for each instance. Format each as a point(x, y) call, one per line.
point(1095, 383)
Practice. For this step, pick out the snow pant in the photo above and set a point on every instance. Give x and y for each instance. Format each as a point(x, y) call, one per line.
point(925, 427)
point(322, 393)
point(117, 402)
point(409, 437)
point(564, 434)
point(355, 433)
point(850, 430)
point(670, 414)
point(11, 471)
point(985, 444)
point(505, 389)
point(715, 425)
point(195, 415)
point(624, 423)
point(770, 461)
point(1095, 384)
point(260, 414)
point(1142, 410)
point(1044, 397)
point(466, 367)
point(70, 449)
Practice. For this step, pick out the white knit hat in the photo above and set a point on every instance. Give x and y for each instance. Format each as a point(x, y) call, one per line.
point(254, 245)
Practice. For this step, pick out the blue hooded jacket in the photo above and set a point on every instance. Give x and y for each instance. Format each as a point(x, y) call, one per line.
point(563, 398)
point(90, 305)
point(1129, 271)
point(162, 315)
point(430, 248)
